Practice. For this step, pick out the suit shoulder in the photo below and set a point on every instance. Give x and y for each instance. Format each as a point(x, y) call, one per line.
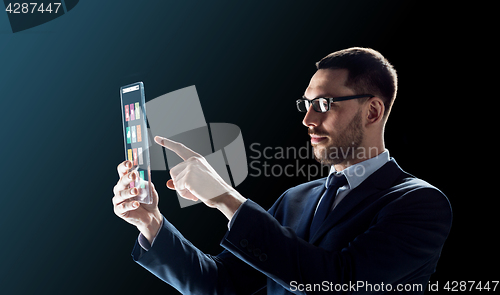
point(412, 184)
point(418, 193)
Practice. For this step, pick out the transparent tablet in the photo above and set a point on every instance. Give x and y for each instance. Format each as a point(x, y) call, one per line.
point(136, 138)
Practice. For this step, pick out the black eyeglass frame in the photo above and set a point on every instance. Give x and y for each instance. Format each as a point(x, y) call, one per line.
point(330, 100)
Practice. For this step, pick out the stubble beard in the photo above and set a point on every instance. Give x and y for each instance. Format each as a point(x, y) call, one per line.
point(342, 149)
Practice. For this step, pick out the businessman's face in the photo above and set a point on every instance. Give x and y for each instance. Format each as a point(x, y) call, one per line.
point(337, 133)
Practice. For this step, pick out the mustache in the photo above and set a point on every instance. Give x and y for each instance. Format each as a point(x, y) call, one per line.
point(317, 132)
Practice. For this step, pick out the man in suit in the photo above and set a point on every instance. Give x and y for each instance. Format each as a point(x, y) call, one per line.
point(369, 227)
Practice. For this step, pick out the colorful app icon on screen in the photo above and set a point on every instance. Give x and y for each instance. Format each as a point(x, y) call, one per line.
point(139, 135)
point(135, 157)
point(141, 159)
point(127, 117)
point(134, 137)
point(141, 175)
point(128, 135)
point(130, 155)
point(137, 111)
point(132, 112)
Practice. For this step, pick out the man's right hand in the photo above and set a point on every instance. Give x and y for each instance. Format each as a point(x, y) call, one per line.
point(146, 217)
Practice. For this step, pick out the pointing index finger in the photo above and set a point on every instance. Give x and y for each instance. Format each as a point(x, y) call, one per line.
point(181, 150)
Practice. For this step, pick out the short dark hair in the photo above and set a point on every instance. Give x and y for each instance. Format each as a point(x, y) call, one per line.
point(369, 73)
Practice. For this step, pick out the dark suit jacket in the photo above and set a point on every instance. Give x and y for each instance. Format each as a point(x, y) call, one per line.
point(388, 230)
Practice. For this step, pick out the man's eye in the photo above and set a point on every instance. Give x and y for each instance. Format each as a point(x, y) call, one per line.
point(323, 104)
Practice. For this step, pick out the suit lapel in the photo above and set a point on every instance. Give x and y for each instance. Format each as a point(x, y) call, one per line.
point(379, 180)
point(308, 211)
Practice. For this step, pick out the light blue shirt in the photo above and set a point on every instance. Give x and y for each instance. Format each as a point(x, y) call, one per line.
point(355, 175)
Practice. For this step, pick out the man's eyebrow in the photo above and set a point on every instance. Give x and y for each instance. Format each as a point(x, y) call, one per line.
point(324, 95)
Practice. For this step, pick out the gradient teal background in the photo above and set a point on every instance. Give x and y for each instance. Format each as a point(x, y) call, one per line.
point(61, 137)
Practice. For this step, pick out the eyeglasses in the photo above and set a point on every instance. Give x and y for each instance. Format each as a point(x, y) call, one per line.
point(321, 104)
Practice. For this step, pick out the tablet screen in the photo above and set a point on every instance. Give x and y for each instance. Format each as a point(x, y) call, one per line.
point(136, 137)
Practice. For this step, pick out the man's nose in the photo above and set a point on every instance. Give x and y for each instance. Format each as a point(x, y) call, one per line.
point(312, 118)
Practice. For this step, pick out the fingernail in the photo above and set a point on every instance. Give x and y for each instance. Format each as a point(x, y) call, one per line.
point(133, 191)
point(135, 204)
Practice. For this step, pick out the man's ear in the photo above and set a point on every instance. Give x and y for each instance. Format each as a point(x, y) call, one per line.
point(376, 110)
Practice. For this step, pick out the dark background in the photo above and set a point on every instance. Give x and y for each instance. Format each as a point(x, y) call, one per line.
point(250, 60)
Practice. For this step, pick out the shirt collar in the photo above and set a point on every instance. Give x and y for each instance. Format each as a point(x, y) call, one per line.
point(357, 173)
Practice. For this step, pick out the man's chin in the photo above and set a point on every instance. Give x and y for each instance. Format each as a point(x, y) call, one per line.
point(323, 156)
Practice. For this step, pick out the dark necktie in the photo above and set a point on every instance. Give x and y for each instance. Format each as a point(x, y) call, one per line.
point(326, 202)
